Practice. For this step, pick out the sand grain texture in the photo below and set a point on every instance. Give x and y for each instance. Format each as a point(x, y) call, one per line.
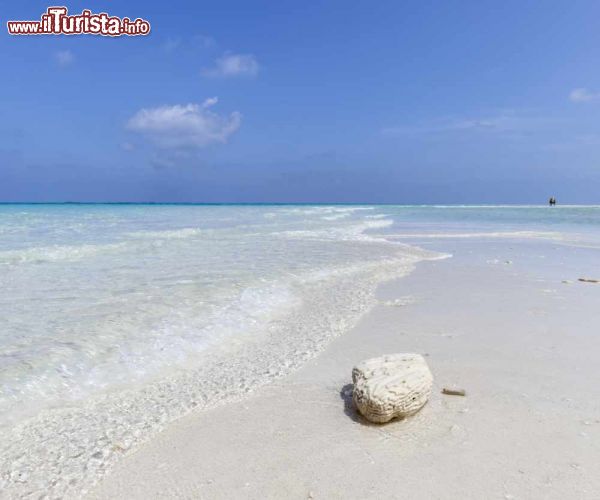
point(530, 427)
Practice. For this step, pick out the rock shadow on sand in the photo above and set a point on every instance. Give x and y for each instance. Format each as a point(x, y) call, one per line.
point(349, 408)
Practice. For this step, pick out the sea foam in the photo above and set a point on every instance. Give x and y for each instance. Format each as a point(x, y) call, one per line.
point(123, 319)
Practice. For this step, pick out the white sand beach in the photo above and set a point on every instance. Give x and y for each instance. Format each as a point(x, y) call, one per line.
point(304, 250)
point(497, 319)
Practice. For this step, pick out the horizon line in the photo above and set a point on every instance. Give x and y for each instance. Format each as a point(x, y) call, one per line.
point(275, 203)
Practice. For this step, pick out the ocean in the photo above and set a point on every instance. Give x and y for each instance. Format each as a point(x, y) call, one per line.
point(117, 319)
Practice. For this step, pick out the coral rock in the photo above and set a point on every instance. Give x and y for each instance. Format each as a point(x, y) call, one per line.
point(391, 386)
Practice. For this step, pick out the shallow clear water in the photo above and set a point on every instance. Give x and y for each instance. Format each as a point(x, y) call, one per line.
point(95, 297)
point(116, 319)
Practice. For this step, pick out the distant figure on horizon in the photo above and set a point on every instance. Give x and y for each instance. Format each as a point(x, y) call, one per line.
point(552, 201)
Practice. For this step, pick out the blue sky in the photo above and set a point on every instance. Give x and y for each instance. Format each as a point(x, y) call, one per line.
point(245, 101)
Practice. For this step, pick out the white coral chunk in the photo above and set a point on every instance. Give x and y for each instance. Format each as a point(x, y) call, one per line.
point(391, 386)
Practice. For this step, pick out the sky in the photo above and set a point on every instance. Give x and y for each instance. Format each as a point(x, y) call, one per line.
point(403, 102)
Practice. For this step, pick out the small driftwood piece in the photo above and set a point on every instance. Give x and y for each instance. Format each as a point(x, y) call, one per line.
point(453, 392)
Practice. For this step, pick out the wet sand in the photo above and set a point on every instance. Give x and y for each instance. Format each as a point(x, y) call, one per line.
point(496, 320)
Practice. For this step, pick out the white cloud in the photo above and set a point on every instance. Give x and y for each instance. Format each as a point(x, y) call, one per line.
point(231, 65)
point(185, 126)
point(583, 95)
point(64, 58)
point(211, 101)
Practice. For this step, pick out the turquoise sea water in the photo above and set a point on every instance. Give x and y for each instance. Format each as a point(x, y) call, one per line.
point(95, 296)
point(116, 319)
